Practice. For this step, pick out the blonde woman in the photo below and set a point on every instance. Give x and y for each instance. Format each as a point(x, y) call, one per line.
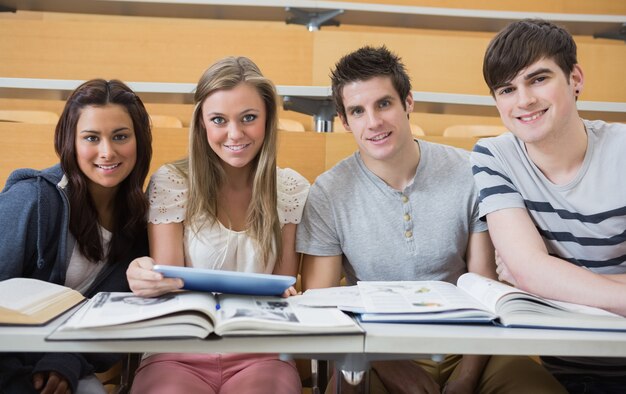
point(225, 207)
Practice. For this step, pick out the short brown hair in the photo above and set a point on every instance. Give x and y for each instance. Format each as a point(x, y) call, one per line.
point(366, 63)
point(523, 43)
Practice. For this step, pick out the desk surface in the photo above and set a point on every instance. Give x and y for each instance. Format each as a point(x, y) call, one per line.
point(405, 339)
point(32, 339)
point(355, 13)
point(381, 341)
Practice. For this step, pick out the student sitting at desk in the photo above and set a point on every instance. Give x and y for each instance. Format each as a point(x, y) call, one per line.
point(402, 209)
point(550, 191)
point(226, 207)
point(78, 224)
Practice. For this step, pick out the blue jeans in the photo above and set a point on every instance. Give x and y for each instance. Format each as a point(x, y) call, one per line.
point(587, 384)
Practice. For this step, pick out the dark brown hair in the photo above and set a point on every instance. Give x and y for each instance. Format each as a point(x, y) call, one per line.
point(523, 43)
point(366, 63)
point(131, 205)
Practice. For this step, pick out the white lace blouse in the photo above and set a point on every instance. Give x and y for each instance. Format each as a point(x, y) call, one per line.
point(215, 246)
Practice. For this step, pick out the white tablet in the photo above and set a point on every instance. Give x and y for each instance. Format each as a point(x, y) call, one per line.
point(233, 282)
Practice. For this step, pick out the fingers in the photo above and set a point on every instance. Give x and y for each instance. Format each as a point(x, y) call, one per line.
point(56, 384)
point(38, 380)
point(145, 282)
point(291, 291)
point(154, 289)
point(141, 269)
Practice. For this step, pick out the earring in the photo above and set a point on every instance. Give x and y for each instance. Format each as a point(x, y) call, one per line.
point(577, 92)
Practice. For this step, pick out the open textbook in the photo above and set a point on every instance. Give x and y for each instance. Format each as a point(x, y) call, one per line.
point(197, 314)
point(25, 301)
point(475, 299)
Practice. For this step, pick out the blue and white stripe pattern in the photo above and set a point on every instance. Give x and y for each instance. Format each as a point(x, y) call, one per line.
point(584, 221)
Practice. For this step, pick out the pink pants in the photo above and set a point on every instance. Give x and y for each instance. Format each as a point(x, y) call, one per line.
point(173, 373)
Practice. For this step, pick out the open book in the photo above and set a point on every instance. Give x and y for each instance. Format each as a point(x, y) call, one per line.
point(25, 301)
point(475, 299)
point(197, 314)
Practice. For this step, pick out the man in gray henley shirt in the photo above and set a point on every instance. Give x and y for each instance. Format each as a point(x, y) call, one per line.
point(402, 209)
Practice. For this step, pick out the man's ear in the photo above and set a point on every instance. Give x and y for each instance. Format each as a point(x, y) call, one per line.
point(577, 79)
point(409, 103)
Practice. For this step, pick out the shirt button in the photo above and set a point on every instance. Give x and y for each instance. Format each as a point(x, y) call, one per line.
point(407, 217)
point(405, 199)
point(408, 234)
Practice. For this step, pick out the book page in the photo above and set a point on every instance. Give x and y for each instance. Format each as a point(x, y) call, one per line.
point(34, 302)
point(583, 309)
point(107, 309)
point(271, 315)
point(487, 291)
point(518, 308)
point(26, 295)
point(414, 297)
point(342, 297)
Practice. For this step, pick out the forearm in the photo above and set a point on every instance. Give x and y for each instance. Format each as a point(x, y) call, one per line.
point(524, 252)
point(574, 284)
point(620, 278)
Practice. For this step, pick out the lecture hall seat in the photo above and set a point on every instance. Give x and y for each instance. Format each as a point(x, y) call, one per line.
point(165, 121)
point(289, 125)
point(477, 131)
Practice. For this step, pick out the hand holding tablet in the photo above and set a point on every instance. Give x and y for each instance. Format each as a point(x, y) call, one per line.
point(201, 279)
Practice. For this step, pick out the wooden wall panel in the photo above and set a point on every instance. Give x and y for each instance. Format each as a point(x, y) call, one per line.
point(338, 147)
point(452, 62)
point(74, 46)
point(604, 67)
point(303, 152)
point(434, 124)
point(174, 51)
point(436, 61)
point(25, 145)
point(616, 7)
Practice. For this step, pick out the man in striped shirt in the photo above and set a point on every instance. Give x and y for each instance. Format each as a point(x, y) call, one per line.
point(551, 191)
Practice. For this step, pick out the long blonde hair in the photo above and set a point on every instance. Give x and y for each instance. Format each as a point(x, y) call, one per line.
point(203, 169)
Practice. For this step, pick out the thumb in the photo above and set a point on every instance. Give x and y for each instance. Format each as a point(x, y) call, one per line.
point(145, 262)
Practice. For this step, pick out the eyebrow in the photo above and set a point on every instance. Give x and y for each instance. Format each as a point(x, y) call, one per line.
point(387, 97)
point(118, 130)
point(533, 74)
point(245, 111)
point(537, 72)
point(353, 107)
